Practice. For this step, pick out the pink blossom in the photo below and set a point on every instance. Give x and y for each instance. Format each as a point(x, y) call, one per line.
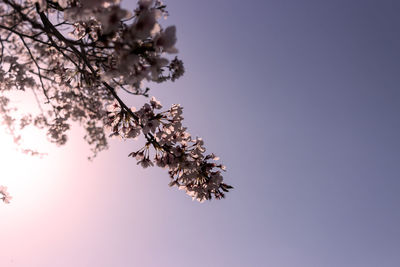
point(6, 197)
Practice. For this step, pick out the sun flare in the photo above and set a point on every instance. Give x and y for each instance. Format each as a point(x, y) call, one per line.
point(22, 174)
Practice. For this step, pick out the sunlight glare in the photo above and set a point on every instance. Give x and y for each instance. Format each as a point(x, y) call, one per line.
point(25, 176)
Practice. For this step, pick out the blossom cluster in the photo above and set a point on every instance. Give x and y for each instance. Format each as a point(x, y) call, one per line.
point(76, 57)
point(5, 195)
point(173, 148)
point(138, 48)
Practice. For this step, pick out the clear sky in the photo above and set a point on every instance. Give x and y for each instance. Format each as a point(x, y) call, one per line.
point(299, 98)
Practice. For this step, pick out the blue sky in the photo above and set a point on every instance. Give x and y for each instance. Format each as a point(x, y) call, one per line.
point(301, 101)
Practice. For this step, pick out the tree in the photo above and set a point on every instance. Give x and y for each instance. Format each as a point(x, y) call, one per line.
point(75, 56)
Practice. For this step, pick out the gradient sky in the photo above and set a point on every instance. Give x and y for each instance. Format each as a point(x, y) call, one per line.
point(299, 98)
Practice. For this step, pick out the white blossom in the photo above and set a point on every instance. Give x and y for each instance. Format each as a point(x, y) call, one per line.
point(166, 40)
point(155, 104)
point(110, 18)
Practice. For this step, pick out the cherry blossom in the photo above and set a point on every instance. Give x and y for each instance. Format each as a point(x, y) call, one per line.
point(172, 148)
point(5, 196)
point(78, 57)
